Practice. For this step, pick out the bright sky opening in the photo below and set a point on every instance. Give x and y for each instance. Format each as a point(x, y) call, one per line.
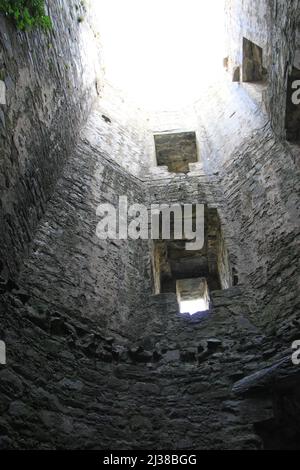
point(193, 306)
point(161, 53)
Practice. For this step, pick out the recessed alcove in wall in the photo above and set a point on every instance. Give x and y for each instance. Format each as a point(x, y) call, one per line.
point(252, 68)
point(176, 151)
point(185, 272)
point(292, 117)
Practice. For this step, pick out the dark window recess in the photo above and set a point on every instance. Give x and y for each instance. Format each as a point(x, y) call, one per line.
point(235, 278)
point(176, 151)
point(253, 70)
point(172, 262)
point(236, 74)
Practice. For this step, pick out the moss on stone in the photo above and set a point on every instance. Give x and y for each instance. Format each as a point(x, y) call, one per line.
point(26, 14)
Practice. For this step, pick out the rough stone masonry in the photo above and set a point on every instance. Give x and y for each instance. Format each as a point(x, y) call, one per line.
point(97, 355)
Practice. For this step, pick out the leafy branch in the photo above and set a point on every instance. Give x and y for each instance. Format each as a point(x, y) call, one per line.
point(26, 14)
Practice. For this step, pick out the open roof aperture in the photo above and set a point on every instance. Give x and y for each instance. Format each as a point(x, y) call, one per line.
point(161, 53)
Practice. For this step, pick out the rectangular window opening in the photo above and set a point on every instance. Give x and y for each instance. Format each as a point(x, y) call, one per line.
point(176, 151)
point(193, 275)
point(252, 69)
point(192, 295)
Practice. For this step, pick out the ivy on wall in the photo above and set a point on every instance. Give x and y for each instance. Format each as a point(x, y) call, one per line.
point(26, 14)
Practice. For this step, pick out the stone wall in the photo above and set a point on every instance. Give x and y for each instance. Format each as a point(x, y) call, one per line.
point(285, 17)
point(94, 360)
point(258, 176)
point(70, 386)
point(123, 133)
point(69, 266)
point(51, 82)
point(260, 193)
point(272, 26)
point(250, 20)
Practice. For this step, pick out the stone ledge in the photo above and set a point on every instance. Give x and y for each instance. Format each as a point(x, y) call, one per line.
point(280, 375)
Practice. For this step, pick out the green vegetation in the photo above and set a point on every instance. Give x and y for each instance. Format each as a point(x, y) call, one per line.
point(26, 14)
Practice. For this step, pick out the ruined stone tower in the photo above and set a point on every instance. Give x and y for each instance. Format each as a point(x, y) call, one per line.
point(97, 353)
